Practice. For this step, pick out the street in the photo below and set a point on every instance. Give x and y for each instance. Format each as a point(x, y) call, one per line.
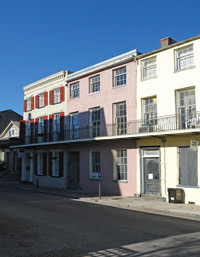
point(34, 224)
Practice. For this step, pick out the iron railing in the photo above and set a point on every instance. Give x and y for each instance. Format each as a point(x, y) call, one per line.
point(160, 124)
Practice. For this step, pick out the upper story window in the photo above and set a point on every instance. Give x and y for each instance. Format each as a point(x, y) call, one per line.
point(95, 84)
point(95, 122)
point(56, 95)
point(41, 125)
point(41, 100)
point(28, 104)
point(120, 118)
point(150, 111)
point(184, 58)
point(149, 68)
point(74, 125)
point(74, 90)
point(120, 77)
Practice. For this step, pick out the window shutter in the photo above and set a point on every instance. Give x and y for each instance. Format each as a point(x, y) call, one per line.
point(62, 94)
point(35, 163)
point(45, 98)
point(61, 159)
point(32, 130)
point(44, 164)
point(36, 129)
point(25, 101)
point(32, 103)
point(36, 101)
point(50, 164)
point(22, 132)
point(62, 120)
point(45, 128)
point(50, 127)
point(51, 97)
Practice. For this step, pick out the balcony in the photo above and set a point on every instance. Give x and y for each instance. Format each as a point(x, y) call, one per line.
point(139, 128)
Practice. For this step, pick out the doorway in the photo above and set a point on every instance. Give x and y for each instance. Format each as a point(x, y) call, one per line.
point(73, 175)
point(150, 171)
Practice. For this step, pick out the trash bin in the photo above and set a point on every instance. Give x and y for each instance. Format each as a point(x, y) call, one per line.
point(176, 195)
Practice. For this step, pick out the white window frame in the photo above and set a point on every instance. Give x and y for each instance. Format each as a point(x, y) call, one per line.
point(95, 166)
point(74, 125)
point(41, 124)
point(120, 121)
point(149, 68)
point(120, 164)
point(55, 164)
point(41, 100)
point(40, 163)
point(94, 84)
point(184, 58)
point(94, 122)
point(56, 95)
point(28, 104)
point(74, 90)
point(149, 110)
point(120, 77)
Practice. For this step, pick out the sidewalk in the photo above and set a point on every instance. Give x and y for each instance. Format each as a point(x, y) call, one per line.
point(149, 205)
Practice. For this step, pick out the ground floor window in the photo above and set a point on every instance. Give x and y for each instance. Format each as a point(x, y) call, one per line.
point(40, 164)
point(94, 164)
point(188, 167)
point(56, 162)
point(120, 165)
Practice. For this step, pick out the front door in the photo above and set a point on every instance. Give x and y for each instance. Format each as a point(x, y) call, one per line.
point(151, 176)
point(73, 176)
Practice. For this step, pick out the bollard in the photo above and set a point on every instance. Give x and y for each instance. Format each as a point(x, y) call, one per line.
point(99, 190)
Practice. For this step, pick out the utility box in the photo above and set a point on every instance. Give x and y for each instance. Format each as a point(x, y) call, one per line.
point(176, 195)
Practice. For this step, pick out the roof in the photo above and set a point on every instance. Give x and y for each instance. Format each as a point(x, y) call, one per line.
point(6, 117)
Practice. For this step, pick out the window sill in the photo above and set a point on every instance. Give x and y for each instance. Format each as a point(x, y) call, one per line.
point(71, 99)
point(94, 93)
point(95, 179)
point(57, 103)
point(148, 79)
point(115, 87)
point(40, 175)
point(189, 68)
point(120, 181)
point(185, 186)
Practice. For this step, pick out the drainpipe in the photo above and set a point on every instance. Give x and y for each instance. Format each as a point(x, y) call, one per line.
point(163, 139)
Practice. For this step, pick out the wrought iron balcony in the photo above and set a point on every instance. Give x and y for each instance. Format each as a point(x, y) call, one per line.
point(160, 124)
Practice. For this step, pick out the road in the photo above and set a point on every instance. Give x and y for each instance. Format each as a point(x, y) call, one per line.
point(41, 225)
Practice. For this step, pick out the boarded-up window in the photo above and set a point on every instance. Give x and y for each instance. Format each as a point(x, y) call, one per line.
point(188, 167)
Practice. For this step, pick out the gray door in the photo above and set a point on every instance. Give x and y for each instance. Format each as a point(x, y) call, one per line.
point(152, 175)
point(73, 176)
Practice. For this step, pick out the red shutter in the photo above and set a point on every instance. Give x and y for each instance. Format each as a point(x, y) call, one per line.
point(44, 164)
point(36, 130)
point(62, 94)
point(50, 164)
point(25, 101)
point(51, 97)
point(32, 130)
point(61, 159)
point(22, 132)
point(45, 98)
point(50, 127)
point(32, 102)
point(35, 163)
point(36, 101)
point(45, 128)
point(62, 120)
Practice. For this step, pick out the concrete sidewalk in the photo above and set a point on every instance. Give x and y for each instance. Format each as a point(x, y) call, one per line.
point(149, 205)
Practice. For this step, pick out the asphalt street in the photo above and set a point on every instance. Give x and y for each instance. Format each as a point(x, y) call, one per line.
point(34, 224)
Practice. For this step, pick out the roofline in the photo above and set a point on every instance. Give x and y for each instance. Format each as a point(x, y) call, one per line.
point(102, 65)
point(167, 47)
point(45, 80)
point(7, 127)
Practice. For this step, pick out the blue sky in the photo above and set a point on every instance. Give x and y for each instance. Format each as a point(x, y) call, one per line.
point(42, 37)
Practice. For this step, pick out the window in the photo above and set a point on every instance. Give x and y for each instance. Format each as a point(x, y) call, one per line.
point(149, 68)
point(186, 108)
point(41, 100)
point(28, 104)
point(120, 118)
point(120, 77)
point(55, 164)
point(41, 125)
point(56, 95)
point(184, 58)
point(74, 125)
point(188, 167)
point(28, 131)
point(95, 84)
point(40, 164)
point(56, 126)
point(150, 111)
point(94, 122)
point(74, 90)
point(121, 165)
point(94, 164)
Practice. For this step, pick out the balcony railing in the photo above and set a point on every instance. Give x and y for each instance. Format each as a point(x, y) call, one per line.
point(161, 124)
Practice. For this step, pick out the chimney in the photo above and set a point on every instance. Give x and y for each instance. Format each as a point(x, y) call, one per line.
point(166, 42)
